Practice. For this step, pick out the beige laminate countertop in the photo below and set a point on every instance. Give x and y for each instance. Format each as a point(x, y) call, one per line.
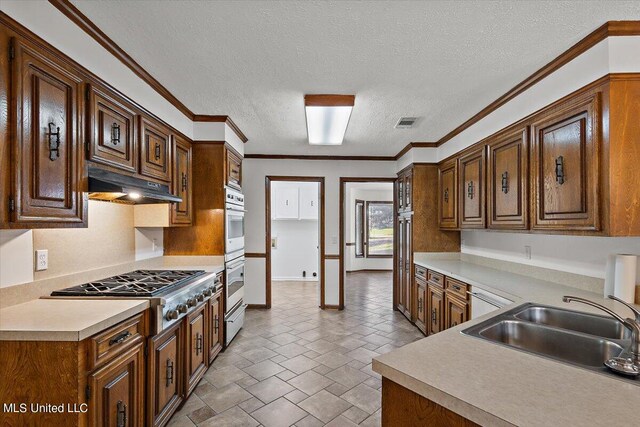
point(65, 319)
point(495, 385)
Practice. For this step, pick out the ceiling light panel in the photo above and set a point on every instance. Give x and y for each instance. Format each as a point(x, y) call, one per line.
point(327, 118)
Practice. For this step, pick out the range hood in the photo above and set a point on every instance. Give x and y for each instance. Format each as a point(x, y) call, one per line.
point(115, 187)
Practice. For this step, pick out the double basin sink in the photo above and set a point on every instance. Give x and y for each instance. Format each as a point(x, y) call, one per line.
point(580, 339)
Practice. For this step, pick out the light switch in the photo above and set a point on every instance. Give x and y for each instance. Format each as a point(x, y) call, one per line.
point(42, 259)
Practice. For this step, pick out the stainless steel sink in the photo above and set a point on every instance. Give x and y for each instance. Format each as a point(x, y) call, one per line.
point(579, 339)
point(592, 324)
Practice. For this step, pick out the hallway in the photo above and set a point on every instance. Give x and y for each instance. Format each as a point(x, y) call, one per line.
point(298, 365)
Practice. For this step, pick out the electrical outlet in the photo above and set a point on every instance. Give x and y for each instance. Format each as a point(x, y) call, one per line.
point(527, 252)
point(42, 259)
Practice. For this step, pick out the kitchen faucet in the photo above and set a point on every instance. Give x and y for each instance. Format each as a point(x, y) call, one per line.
point(632, 324)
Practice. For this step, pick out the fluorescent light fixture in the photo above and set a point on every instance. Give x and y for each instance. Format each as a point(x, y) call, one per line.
point(327, 118)
point(135, 196)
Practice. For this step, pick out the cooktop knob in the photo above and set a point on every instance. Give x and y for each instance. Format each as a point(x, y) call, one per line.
point(207, 292)
point(191, 302)
point(181, 308)
point(200, 297)
point(171, 315)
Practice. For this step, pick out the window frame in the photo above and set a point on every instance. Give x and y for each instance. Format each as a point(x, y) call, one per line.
point(366, 215)
point(363, 224)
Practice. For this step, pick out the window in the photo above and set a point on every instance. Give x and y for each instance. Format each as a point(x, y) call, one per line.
point(359, 228)
point(379, 226)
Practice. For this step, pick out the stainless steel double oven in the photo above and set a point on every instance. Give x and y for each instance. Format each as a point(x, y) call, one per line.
point(234, 262)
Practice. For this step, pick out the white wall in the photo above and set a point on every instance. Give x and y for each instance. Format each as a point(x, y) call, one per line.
point(360, 192)
point(584, 255)
point(255, 171)
point(296, 239)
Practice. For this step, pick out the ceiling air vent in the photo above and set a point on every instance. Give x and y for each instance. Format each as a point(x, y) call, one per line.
point(405, 122)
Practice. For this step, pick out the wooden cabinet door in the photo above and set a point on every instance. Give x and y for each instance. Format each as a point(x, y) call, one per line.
point(400, 192)
point(155, 146)
point(456, 311)
point(565, 167)
point(233, 177)
point(471, 190)
point(507, 177)
point(117, 395)
point(196, 344)
point(435, 301)
point(408, 257)
point(402, 303)
point(215, 318)
point(112, 128)
point(165, 375)
point(408, 188)
point(182, 213)
point(48, 100)
point(447, 194)
point(421, 303)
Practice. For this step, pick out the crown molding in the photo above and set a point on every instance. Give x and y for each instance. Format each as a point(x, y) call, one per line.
point(221, 119)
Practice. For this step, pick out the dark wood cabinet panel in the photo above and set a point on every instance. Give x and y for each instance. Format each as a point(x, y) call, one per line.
point(112, 129)
point(447, 194)
point(471, 189)
point(182, 213)
point(155, 150)
point(165, 375)
point(215, 316)
point(435, 313)
point(456, 310)
point(408, 188)
point(565, 167)
point(233, 176)
point(196, 344)
point(48, 99)
point(117, 391)
point(421, 305)
point(507, 206)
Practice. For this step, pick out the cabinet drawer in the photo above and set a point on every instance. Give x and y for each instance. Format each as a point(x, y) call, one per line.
point(457, 288)
point(115, 340)
point(435, 278)
point(421, 272)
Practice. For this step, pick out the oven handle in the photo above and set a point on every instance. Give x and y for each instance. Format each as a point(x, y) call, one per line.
point(235, 264)
point(240, 310)
point(234, 209)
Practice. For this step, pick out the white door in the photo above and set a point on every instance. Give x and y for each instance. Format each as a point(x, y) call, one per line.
point(286, 203)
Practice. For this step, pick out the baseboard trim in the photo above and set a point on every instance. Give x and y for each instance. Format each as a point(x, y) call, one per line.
point(257, 306)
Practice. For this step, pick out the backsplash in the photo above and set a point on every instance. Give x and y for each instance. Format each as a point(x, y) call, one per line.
point(109, 239)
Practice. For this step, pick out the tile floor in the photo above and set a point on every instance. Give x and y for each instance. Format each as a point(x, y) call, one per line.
point(298, 365)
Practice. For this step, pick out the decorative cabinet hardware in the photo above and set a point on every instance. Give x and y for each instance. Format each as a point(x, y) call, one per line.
point(169, 372)
point(184, 182)
point(121, 416)
point(419, 304)
point(216, 324)
point(560, 170)
point(54, 144)
point(433, 316)
point(505, 182)
point(115, 133)
point(198, 343)
point(446, 195)
point(456, 287)
point(470, 190)
point(157, 151)
point(120, 338)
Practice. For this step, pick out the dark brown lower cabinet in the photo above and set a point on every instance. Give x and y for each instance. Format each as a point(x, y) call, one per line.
point(119, 390)
point(435, 301)
point(196, 343)
point(164, 375)
point(456, 310)
point(421, 305)
point(215, 315)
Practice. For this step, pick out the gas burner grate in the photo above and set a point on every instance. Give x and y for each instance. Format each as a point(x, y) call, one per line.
point(139, 283)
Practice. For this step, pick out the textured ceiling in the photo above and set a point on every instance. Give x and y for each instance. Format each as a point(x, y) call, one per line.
point(255, 60)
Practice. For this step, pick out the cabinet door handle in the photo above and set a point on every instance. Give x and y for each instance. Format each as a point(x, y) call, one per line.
point(446, 195)
point(117, 340)
point(169, 372)
point(433, 316)
point(54, 142)
point(560, 170)
point(456, 287)
point(198, 344)
point(184, 182)
point(470, 190)
point(215, 325)
point(455, 323)
point(115, 133)
point(121, 415)
point(505, 182)
point(157, 151)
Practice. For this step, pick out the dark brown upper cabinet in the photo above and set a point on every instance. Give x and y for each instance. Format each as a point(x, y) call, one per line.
point(155, 150)
point(182, 213)
point(447, 194)
point(47, 96)
point(112, 129)
point(233, 167)
point(565, 166)
point(507, 206)
point(471, 191)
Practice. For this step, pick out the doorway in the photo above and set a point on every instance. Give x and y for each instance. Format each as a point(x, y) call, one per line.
point(367, 229)
point(295, 236)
